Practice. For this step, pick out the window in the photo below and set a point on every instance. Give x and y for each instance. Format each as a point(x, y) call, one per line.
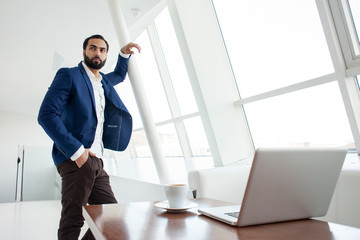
point(141, 144)
point(302, 118)
point(127, 96)
point(347, 20)
point(152, 81)
point(172, 104)
point(355, 14)
point(169, 140)
point(197, 137)
point(175, 63)
point(272, 45)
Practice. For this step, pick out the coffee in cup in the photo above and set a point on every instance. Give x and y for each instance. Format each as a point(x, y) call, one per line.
point(176, 195)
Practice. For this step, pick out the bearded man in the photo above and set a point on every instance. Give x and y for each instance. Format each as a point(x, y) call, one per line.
point(83, 114)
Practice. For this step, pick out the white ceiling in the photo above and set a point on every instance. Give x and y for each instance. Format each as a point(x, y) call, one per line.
point(39, 36)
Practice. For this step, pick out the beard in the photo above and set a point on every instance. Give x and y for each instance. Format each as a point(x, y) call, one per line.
point(94, 65)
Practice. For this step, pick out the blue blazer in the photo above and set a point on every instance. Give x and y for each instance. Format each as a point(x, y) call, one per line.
point(68, 115)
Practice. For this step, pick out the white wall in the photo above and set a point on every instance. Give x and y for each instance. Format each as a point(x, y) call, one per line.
point(16, 130)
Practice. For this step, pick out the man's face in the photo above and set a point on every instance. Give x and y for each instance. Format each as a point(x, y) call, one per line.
point(95, 53)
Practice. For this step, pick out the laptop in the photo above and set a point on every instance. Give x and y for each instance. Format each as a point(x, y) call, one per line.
point(285, 184)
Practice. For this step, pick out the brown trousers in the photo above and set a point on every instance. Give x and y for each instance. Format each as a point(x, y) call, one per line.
point(88, 184)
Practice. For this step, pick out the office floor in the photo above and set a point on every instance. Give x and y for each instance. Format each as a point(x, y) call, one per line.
point(30, 220)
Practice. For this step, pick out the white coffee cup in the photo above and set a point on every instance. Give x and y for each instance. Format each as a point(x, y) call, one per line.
point(176, 194)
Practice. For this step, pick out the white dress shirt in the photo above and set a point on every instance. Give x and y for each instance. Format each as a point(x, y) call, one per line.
point(97, 147)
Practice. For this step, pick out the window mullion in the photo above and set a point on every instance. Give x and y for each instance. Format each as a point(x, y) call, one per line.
point(346, 32)
point(329, 12)
point(163, 70)
point(169, 90)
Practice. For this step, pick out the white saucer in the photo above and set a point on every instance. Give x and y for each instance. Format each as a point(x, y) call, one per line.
point(165, 205)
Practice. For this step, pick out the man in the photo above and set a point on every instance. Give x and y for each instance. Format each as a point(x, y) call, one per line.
point(83, 114)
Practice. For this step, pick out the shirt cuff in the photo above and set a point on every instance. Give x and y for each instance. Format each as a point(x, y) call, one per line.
point(78, 153)
point(124, 55)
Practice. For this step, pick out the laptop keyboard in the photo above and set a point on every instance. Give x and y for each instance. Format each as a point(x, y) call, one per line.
point(233, 214)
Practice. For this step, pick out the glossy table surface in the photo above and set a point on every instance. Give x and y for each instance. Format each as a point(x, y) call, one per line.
point(143, 220)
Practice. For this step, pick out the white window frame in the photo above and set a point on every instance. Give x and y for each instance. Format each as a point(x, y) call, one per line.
point(336, 37)
point(347, 35)
point(176, 117)
point(169, 92)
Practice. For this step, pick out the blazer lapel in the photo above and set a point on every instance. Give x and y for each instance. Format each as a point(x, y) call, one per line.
point(88, 83)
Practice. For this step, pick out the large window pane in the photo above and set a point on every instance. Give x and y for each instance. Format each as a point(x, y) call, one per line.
point(127, 96)
point(272, 44)
point(175, 63)
point(141, 144)
point(169, 140)
point(197, 137)
point(311, 117)
point(152, 81)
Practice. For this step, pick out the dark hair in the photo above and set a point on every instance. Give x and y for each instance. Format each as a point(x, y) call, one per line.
point(95, 36)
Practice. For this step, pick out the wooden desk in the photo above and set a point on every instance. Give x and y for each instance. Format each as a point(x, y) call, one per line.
point(144, 221)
